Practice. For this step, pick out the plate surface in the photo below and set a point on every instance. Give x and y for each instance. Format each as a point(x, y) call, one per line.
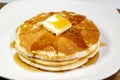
point(106, 18)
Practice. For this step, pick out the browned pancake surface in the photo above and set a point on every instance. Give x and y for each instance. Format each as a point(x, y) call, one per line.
point(82, 33)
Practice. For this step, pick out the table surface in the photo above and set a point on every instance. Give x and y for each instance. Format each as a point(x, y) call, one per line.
point(113, 77)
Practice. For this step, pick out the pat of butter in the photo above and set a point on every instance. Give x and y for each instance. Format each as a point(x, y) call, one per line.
point(56, 24)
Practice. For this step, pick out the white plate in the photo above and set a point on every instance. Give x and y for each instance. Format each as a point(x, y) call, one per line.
point(106, 18)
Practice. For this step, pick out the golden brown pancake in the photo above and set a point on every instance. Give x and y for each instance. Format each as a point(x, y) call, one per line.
point(72, 47)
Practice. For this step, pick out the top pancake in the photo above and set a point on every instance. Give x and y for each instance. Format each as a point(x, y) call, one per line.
point(33, 39)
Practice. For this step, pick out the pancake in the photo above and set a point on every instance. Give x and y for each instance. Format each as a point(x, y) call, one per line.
point(57, 66)
point(42, 49)
point(83, 37)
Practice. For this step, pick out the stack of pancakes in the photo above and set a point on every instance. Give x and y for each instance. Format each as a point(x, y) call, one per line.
point(42, 49)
